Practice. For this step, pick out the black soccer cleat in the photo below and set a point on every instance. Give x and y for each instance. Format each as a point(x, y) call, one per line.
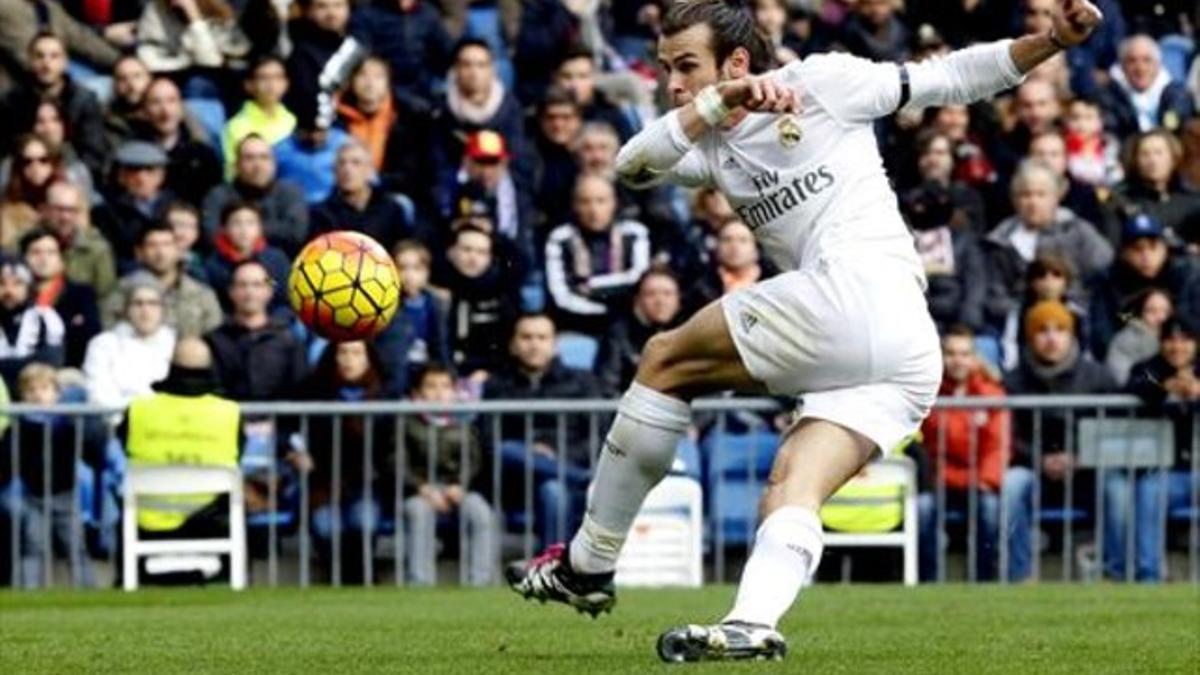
point(549, 577)
point(730, 641)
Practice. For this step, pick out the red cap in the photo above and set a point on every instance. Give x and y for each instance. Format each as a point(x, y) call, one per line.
point(486, 146)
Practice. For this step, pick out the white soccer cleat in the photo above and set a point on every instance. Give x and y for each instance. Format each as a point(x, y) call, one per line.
point(729, 641)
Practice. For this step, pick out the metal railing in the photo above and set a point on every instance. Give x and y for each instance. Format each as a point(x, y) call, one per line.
point(556, 443)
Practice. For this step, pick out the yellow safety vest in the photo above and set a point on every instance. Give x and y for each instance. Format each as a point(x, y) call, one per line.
point(169, 429)
point(859, 507)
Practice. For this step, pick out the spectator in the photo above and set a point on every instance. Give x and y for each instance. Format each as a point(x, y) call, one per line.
point(486, 176)
point(23, 20)
point(440, 485)
point(285, 215)
point(1048, 277)
point(410, 36)
point(347, 371)
point(559, 121)
point(309, 156)
point(139, 199)
point(946, 217)
point(193, 167)
point(47, 80)
point(656, 308)
point(122, 362)
point(89, 257)
point(240, 240)
point(548, 32)
point(482, 306)
point(255, 356)
point(709, 208)
point(74, 303)
point(356, 205)
point(577, 74)
point(378, 119)
point(29, 333)
point(735, 264)
point(1140, 338)
point(1050, 148)
point(184, 220)
point(771, 17)
point(1141, 95)
point(190, 36)
point(191, 307)
point(50, 126)
point(534, 372)
point(969, 449)
point(36, 165)
point(1143, 262)
point(1052, 364)
point(874, 32)
point(593, 262)
point(124, 113)
point(973, 150)
point(1093, 155)
point(1153, 185)
point(49, 489)
point(419, 335)
point(263, 113)
point(1039, 226)
point(1038, 111)
point(323, 52)
point(1170, 385)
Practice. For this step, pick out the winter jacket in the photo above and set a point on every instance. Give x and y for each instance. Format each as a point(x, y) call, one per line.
point(120, 365)
point(482, 313)
point(621, 351)
point(89, 261)
point(450, 132)
point(1145, 382)
point(382, 219)
point(252, 119)
point(1135, 343)
point(557, 382)
point(1177, 208)
point(548, 32)
point(218, 272)
point(446, 432)
point(120, 220)
point(1116, 292)
point(194, 168)
point(191, 307)
point(590, 276)
point(413, 42)
point(957, 275)
point(60, 431)
point(1121, 118)
point(284, 213)
point(77, 306)
point(417, 335)
point(955, 428)
point(257, 365)
point(82, 113)
point(28, 334)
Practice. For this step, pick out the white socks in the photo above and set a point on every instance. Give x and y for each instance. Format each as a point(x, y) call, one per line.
point(787, 550)
point(637, 453)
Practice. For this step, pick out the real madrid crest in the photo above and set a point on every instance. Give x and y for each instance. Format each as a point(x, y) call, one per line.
point(789, 131)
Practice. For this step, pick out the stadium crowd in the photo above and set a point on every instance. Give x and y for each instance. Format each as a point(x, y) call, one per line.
point(165, 159)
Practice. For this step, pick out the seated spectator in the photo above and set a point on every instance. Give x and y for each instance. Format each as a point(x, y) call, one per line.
point(263, 113)
point(1153, 186)
point(124, 113)
point(1083, 199)
point(285, 215)
point(74, 303)
point(559, 121)
point(193, 167)
point(1141, 95)
point(410, 36)
point(1140, 338)
point(36, 165)
point(184, 220)
point(736, 264)
point(771, 17)
point(356, 205)
point(1053, 364)
point(122, 362)
point(1093, 154)
point(534, 372)
point(969, 449)
point(182, 36)
point(486, 175)
point(709, 209)
point(475, 100)
point(1039, 226)
point(24, 20)
point(139, 200)
point(548, 31)
point(656, 308)
point(593, 262)
point(1143, 262)
point(308, 157)
point(440, 486)
point(1048, 277)
point(89, 257)
point(48, 81)
point(191, 307)
point(49, 490)
point(482, 306)
point(241, 239)
point(50, 126)
point(577, 74)
point(947, 218)
point(347, 371)
point(395, 134)
point(418, 335)
point(1170, 385)
point(1039, 111)
point(29, 333)
point(874, 32)
point(323, 50)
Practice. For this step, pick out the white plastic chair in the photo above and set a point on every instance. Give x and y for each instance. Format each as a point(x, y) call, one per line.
point(664, 544)
point(182, 480)
point(889, 471)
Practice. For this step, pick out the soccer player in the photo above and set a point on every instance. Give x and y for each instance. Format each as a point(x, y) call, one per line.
point(794, 151)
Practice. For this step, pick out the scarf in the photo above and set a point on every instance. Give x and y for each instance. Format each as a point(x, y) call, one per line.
point(466, 111)
point(581, 253)
point(48, 294)
point(227, 250)
point(1047, 372)
point(1145, 103)
point(372, 130)
point(733, 280)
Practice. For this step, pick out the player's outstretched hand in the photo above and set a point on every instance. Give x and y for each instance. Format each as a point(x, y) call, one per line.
point(758, 93)
point(1075, 21)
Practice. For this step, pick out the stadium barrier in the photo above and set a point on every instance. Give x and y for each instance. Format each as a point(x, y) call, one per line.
point(1108, 435)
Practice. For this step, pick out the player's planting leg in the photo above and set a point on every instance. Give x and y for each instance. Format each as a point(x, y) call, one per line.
point(814, 461)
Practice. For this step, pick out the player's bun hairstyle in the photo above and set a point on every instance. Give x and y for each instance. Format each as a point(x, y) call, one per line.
point(732, 24)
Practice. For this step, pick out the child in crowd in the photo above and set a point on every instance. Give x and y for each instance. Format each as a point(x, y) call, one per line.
point(1093, 157)
point(184, 220)
point(241, 238)
point(263, 113)
point(417, 335)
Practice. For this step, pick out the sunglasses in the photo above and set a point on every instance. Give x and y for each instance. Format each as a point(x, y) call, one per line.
point(28, 160)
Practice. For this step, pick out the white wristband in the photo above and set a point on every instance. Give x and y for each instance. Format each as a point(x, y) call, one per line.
point(711, 107)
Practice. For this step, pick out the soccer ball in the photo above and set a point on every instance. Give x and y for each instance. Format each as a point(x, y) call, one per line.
point(344, 286)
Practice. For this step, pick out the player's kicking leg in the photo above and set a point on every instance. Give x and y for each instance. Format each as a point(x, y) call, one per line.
point(696, 358)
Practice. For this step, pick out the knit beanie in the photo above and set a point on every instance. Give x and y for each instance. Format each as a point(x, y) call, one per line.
point(1045, 313)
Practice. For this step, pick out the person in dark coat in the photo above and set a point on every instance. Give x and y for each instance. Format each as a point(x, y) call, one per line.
point(558, 123)
point(548, 32)
point(139, 199)
point(356, 205)
point(418, 335)
point(656, 308)
point(410, 35)
point(75, 303)
point(193, 166)
point(577, 74)
point(1153, 185)
point(1141, 95)
point(240, 240)
point(323, 52)
point(874, 32)
point(483, 303)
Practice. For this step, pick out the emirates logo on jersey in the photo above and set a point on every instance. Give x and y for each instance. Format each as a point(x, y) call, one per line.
point(789, 131)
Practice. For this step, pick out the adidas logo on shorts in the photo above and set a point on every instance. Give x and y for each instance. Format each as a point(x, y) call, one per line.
point(748, 321)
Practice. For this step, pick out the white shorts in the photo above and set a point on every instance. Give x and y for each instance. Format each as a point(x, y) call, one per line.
point(854, 339)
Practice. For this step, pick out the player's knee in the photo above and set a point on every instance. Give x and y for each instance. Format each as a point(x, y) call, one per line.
point(659, 360)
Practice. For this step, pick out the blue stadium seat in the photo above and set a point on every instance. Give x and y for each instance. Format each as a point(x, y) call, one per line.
point(577, 351)
point(737, 455)
point(211, 115)
point(483, 23)
point(687, 459)
point(738, 465)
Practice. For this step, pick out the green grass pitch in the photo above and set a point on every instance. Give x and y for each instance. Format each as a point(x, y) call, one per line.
point(833, 629)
